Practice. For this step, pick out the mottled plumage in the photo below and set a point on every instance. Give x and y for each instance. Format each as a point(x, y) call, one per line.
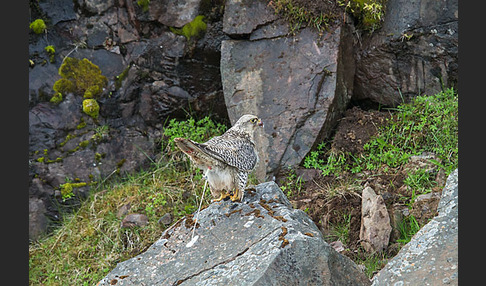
point(227, 159)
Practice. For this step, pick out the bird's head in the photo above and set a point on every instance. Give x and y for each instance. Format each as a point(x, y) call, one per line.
point(248, 123)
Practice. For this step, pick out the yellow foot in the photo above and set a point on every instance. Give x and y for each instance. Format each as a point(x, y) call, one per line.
point(223, 196)
point(235, 196)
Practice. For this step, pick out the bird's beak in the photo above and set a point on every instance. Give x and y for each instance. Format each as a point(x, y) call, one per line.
point(260, 122)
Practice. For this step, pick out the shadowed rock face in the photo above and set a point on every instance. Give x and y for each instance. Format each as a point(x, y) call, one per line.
point(262, 241)
point(415, 52)
point(431, 257)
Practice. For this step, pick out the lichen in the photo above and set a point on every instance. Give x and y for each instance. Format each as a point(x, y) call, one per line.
point(191, 29)
point(91, 107)
point(38, 26)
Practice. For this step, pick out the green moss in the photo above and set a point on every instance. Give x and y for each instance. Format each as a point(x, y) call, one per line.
point(91, 107)
point(63, 86)
point(38, 26)
point(81, 124)
point(51, 51)
point(119, 78)
point(192, 29)
point(68, 137)
point(84, 76)
point(144, 4)
point(56, 98)
point(67, 189)
point(84, 144)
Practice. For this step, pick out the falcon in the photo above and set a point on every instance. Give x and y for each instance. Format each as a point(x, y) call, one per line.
point(226, 160)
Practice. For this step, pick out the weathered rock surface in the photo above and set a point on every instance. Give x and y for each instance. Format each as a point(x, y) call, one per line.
point(262, 241)
point(375, 222)
point(431, 257)
point(153, 74)
point(389, 65)
point(298, 85)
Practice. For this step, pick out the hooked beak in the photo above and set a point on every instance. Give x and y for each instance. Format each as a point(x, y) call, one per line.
point(260, 122)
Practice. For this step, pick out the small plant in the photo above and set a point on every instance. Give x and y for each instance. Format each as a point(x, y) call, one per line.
point(340, 231)
point(293, 185)
point(370, 13)
point(155, 201)
point(407, 228)
point(38, 26)
point(198, 131)
point(144, 4)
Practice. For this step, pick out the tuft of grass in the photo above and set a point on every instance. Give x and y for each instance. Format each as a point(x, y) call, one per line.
point(90, 242)
point(340, 231)
point(298, 16)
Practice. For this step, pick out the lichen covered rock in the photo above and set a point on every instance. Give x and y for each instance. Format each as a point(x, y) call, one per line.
point(261, 241)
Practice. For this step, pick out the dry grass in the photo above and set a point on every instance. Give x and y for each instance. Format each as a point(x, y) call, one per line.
point(91, 242)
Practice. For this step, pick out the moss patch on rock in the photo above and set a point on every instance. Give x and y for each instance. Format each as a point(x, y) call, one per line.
point(80, 77)
point(91, 107)
point(192, 29)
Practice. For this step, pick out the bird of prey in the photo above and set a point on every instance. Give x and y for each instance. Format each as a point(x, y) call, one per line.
point(226, 160)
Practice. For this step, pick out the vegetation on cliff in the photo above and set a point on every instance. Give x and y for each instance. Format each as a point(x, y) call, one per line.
point(91, 241)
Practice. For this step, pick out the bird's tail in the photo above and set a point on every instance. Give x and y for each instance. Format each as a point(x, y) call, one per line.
point(191, 149)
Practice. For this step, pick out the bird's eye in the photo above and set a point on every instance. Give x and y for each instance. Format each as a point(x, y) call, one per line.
point(253, 120)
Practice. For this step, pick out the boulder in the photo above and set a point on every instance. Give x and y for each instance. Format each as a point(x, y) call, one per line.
point(298, 84)
point(375, 222)
point(431, 256)
point(415, 52)
point(261, 241)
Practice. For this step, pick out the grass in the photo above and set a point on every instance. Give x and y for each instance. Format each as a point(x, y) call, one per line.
point(426, 124)
point(298, 16)
point(90, 241)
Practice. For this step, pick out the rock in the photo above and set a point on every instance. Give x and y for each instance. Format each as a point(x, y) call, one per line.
point(298, 85)
point(261, 241)
point(37, 218)
point(133, 220)
point(390, 66)
point(174, 13)
point(58, 10)
point(375, 222)
point(244, 16)
point(123, 210)
point(96, 6)
point(153, 75)
point(337, 245)
point(431, 256)
point(166, 219)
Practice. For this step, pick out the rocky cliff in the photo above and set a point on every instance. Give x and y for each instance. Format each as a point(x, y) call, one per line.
point(161, 60)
